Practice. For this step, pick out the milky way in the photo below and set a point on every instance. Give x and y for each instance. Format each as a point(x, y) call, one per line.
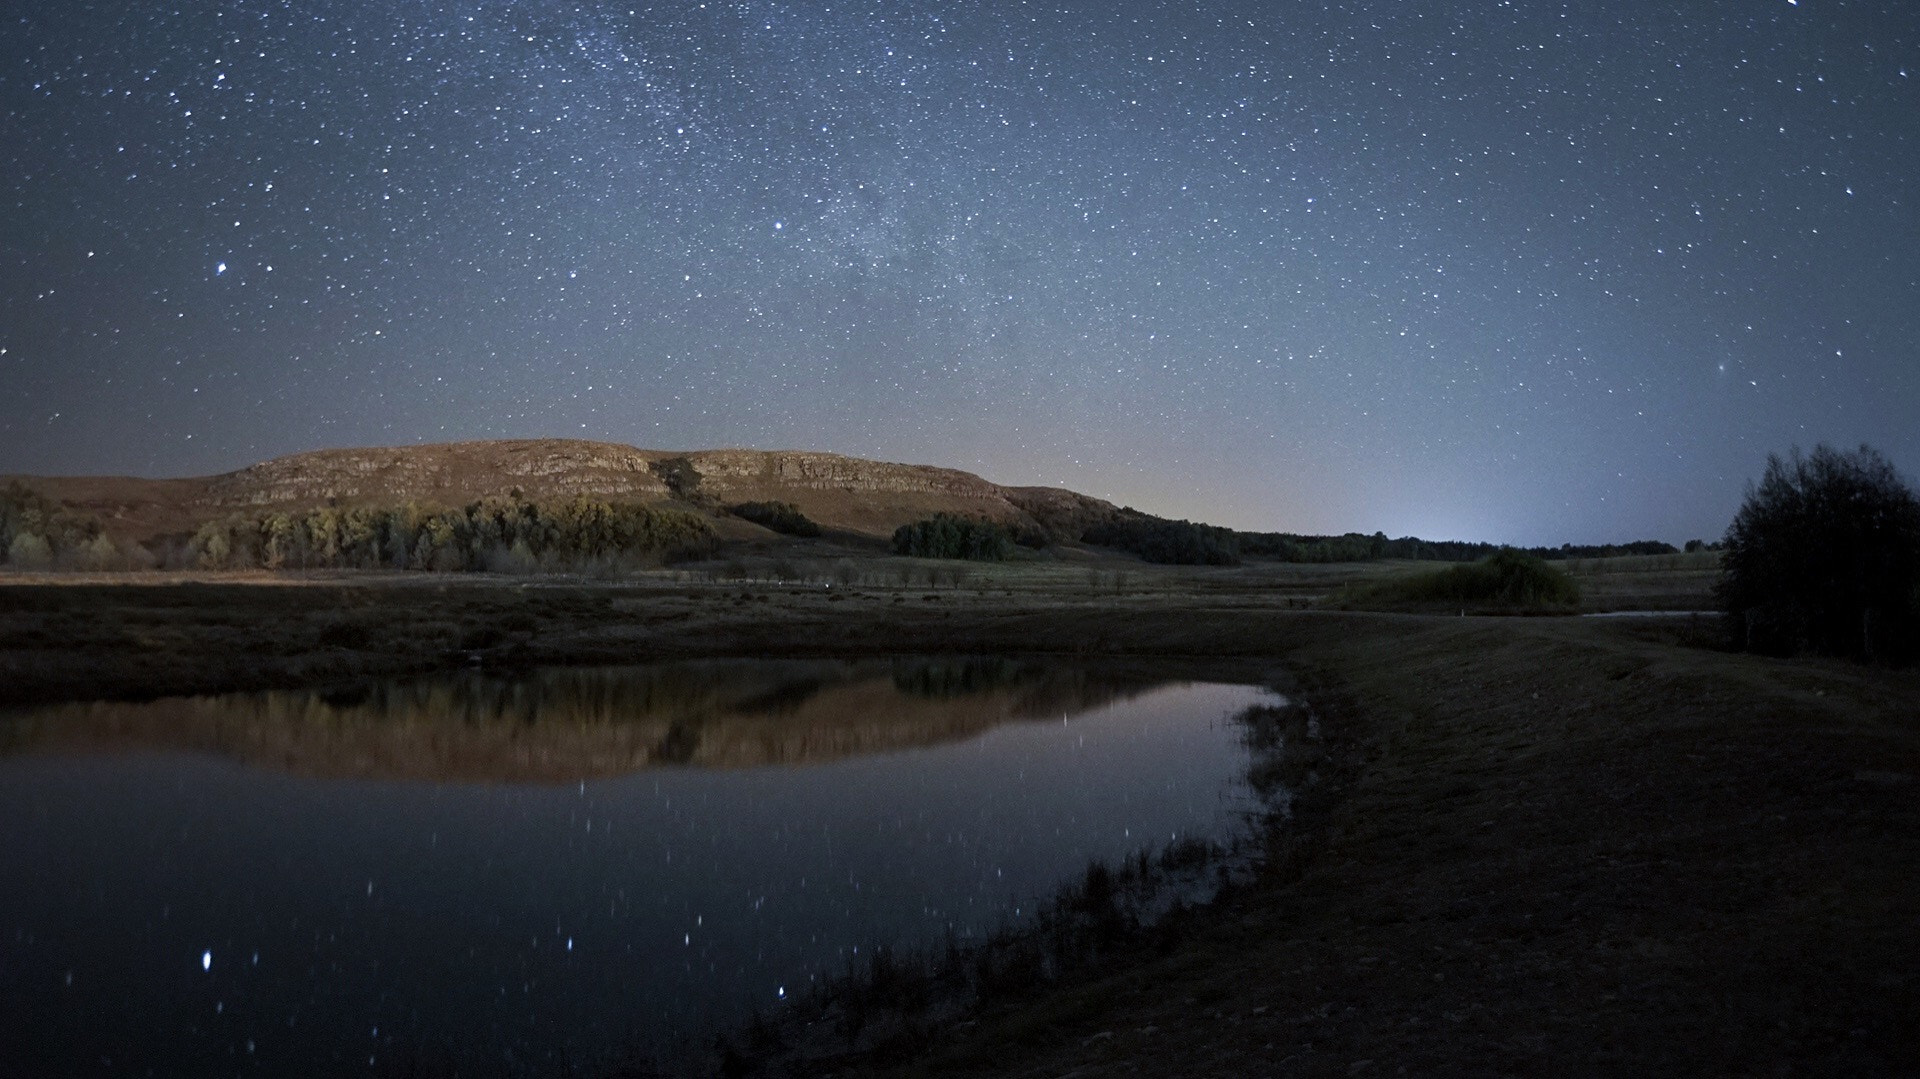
point(1508, 271)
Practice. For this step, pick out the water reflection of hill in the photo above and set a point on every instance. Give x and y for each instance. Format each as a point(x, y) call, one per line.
point(562, 725)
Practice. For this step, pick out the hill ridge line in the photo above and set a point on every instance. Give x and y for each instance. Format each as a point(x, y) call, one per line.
point(839, 491)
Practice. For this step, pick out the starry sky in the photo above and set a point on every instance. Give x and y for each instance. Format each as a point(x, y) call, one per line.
point(1511, 271)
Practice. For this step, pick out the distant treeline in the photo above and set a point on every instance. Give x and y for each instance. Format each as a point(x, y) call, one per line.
point(497, 534)
point(38, 533)
point(947, 536)
point(1188, 543)
point(1156, 539)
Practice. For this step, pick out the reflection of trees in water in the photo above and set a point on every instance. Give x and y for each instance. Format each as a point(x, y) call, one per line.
point(1038, 689)
point(1069, 690)
point(566, 724)
point(943, 678)
point(567, 697)
point(783, 698)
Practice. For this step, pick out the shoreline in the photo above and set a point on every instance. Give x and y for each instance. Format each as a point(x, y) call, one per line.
point(1587, 848)
point(1567, 844)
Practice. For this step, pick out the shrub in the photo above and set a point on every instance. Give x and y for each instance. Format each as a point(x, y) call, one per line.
point(1509, 579)
point(29, 551)
point(345, 633)
point(101, 554)
point(1032, 537)
point(1824, 554)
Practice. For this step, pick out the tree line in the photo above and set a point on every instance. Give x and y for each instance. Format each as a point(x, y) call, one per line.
point(1157, 539)
point(1189, 543)
point(38, 533)
point(495, 534)
point(945, 535)
point(1192, 543)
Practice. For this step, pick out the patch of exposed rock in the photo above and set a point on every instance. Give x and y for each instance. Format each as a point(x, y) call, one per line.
point(448, 473)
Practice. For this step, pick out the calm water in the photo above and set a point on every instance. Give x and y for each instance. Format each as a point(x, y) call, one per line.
point(515, 876)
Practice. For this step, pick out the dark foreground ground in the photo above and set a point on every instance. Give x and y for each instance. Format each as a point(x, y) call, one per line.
point(1567, 846)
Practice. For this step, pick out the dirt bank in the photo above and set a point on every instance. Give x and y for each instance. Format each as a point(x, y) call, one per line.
point(1576, 848)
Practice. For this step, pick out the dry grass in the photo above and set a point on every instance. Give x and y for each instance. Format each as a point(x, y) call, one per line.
point(1670, 582)
point(134, 635)
point(1574, 847)
point(66, 636)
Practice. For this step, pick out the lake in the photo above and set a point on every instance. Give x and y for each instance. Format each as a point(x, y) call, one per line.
point(524, 875)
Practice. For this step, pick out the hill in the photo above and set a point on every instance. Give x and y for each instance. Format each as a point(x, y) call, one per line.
point(847, 494)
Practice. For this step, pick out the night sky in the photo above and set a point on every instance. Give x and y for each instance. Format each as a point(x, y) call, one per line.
point(1522, 272)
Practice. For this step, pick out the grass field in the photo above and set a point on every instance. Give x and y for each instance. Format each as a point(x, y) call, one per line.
point(64, 636)
point(1668, 582)
point(1545, 845)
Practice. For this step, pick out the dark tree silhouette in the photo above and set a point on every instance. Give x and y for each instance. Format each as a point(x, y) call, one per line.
point(1825, 555)
point(779, 516)
point(1156, 539)
point(946, 536)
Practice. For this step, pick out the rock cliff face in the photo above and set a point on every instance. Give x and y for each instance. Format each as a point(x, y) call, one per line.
point(738, 470)
point(846, 493)
point(453, 472)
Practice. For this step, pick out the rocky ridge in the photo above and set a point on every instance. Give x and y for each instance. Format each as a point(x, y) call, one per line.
point(843, 493)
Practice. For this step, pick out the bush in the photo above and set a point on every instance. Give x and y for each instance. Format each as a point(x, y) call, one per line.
point(1824, 554)
point(782, 517)
point(1510, 580)
point(345, 633)
point(29, 551)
